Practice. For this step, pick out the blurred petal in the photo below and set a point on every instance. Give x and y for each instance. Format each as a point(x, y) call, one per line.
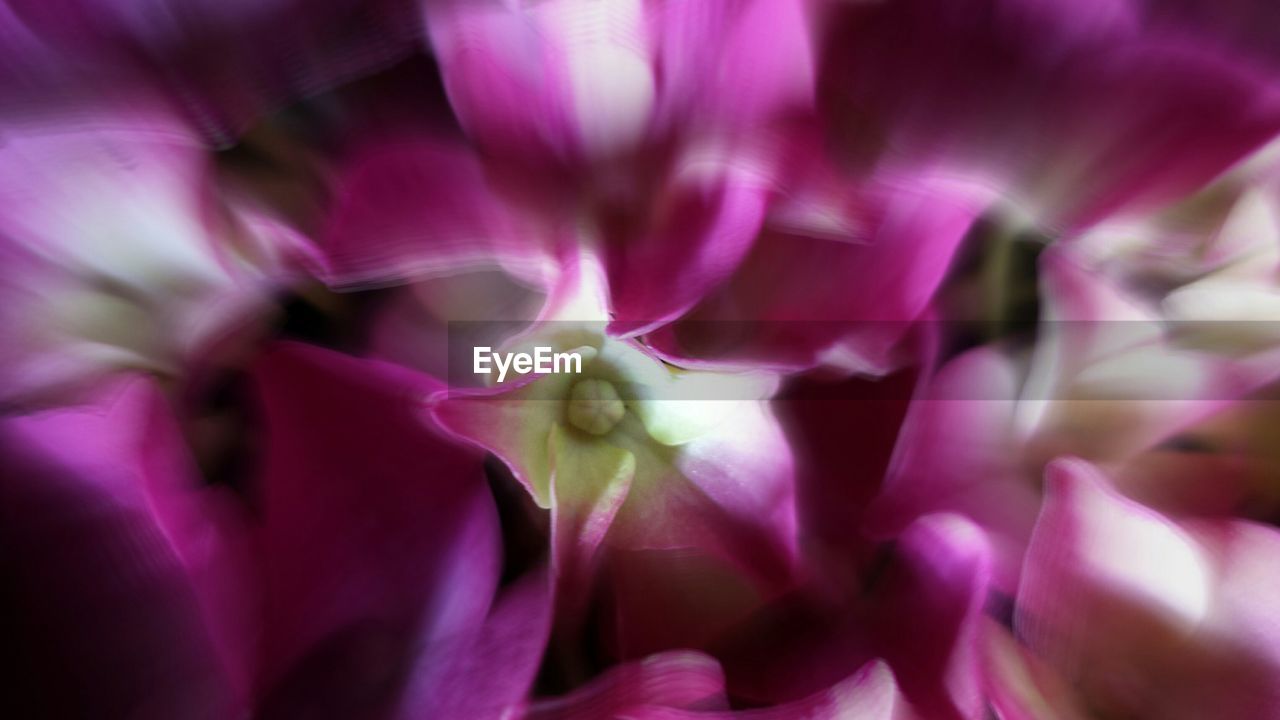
point(1020, 686)
point(117, 252)
point(870, 693)
point(1115, 150)
point(926, 624)
point(1128, 634)
point(842, 433)
point(740, 63)
point(957, 453)
point(422, 209)
point(840, 267)
point(564, 78)
point(430, 325)
point(572, 81)
point(1108, 380)
point(917, 607)
point(1065, 108)
point(1244, 27)
point(222, 63)
point(661, 265)
point(1244, 587)
point(378, 537)
point(127, 574)
point(641, 689)
point(456, 675)
point(667, 599)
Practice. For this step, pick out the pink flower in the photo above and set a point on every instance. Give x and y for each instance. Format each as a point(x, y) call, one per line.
point(1129, 612)
point(1108, 379)
point(637, 129)
point(631, 454)
point(121, 252)
point(356, 573)
point(840, 272)
point(1074, 112)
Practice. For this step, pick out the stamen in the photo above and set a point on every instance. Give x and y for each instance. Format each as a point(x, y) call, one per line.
point(594, 406)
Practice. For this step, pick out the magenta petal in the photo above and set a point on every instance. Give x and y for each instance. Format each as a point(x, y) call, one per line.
point(375, 531)
point(953, 455)
point(1067, 108)
point(951, 82)
point(818, 415)
point(926, 625)
point(485, 672)
point(506, 81)
point(565, 81)
point(869, 694)
point(917, 606)
point(702, 232)
point(117, 252)
point(736, 65)
point(1112, 145)
point(1244, 27)
point(682, 679)
point(1187, 636)
point(849, 274)
point(224, 62)
point(127, 576)
point(423, 209)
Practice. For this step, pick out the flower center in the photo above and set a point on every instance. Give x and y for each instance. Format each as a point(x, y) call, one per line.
point(594, 406)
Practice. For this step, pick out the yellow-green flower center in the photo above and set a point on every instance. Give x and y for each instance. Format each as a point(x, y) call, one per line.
point(594, 406)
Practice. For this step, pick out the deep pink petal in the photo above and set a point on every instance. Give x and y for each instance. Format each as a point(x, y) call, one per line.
point(374, 530)
point(957, 454)
point(671, 680)
point(485, 672)
point(423, 209)
point(1113, 145)
point(869, 693)
point(508, 72)
point(1066, 108)
point(1184, 636)
point(1244, 27)
point(223, 63)
point(730, 66)
point(838, 269)
point(128, 576)
point(917, 607)
point(702, 231)
point(843, 433)
point(926, 625)
point(561, 83)
point(118, 252)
